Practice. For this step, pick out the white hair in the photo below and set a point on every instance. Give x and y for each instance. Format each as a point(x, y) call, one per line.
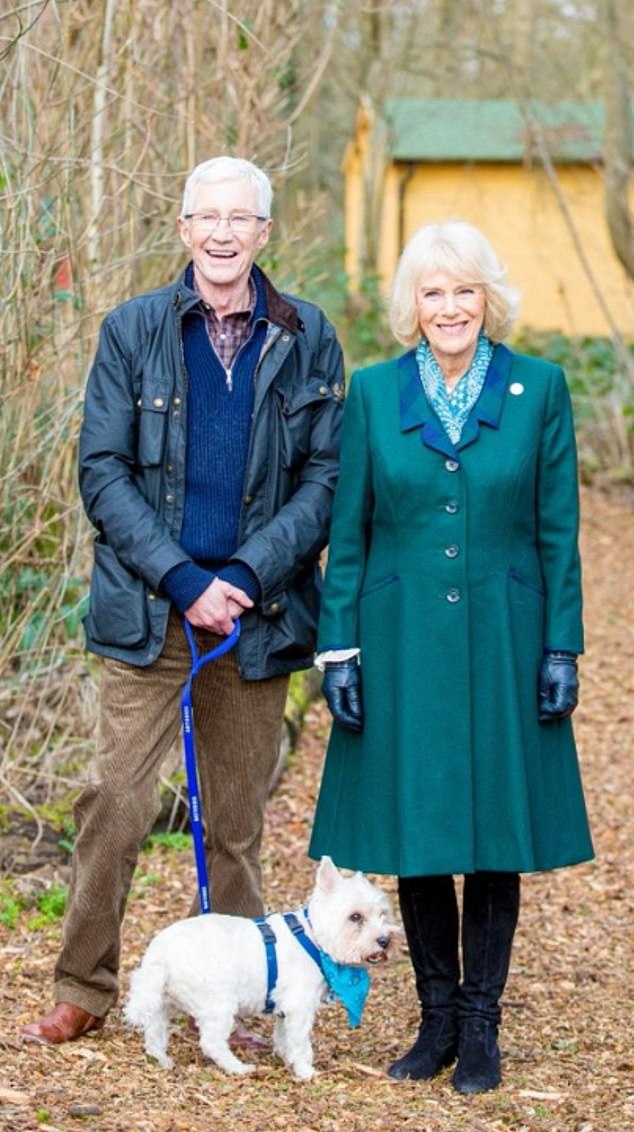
point(464, 253)
point(228, 169)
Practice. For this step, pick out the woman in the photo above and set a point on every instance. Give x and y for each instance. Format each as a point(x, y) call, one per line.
point(452, 598)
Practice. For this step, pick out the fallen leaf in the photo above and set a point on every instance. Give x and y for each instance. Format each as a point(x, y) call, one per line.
point(370, 1071)
point(541, 1095)
point(12, 1096)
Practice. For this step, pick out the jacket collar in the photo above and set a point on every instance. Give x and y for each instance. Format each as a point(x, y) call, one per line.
point(280, 310)
point(416, 412)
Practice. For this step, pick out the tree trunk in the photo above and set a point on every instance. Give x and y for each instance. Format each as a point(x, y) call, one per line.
point(617, 145)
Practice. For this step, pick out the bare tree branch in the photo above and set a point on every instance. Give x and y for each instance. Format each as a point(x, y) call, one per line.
point(618, 149)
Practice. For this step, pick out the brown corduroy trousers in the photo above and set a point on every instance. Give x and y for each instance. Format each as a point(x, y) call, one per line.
point(237, 727)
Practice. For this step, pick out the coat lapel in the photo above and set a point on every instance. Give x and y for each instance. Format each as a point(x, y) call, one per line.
point(488, 408)
point(416, 412)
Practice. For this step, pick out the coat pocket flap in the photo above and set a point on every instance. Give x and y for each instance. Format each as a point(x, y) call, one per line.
point(315, 391)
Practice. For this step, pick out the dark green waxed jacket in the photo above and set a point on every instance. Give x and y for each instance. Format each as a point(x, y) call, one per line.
point(132, 477)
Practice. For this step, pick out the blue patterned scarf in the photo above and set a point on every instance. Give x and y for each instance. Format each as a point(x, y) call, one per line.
point(452, 407)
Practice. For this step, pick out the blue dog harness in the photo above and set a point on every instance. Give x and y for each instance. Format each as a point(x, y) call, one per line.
point(268, 936)
point(347, 983)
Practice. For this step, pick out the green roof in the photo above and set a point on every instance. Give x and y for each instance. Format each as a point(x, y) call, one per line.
point(445, 129)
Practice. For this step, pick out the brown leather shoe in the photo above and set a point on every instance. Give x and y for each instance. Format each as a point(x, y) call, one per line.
point(65, 1023)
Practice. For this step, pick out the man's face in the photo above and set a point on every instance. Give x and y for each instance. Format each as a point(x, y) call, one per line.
point(223, 255)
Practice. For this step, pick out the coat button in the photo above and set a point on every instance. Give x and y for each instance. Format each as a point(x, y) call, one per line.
point(452, 506)
point(169, 468)
point(453, 596)
point(275, 607)
point(158, 402)
point(177, 400)
point(286, 338)
point(151, 597)
point(452, 551)
point(248, 499)
point(452, 465)
point(323, 389)
point(169, 498)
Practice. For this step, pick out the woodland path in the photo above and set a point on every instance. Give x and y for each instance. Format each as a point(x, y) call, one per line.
point(568, 1018)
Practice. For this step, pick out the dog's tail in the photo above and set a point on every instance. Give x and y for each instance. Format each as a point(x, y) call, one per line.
point(147, 992)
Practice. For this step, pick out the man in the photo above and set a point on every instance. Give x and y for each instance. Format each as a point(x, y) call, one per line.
point(207, 466)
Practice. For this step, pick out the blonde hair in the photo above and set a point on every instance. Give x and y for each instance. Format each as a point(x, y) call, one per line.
point(229, 169)
point(464, 253)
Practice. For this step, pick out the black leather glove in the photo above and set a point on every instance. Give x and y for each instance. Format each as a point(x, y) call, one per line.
point(342, 688)
point(558, 686)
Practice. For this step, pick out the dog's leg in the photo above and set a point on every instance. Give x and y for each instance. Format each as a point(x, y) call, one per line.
point(297, 1050)
point(157, 1033)
point(148, 1008)
point(279, 1037)
point(214, 1042)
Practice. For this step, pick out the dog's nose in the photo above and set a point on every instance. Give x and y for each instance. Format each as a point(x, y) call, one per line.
point(383, 941)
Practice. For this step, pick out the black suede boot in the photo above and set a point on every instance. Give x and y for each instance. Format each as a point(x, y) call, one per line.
point(490, 910)
point(430, 917)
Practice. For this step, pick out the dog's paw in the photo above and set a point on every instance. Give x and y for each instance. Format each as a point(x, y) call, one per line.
point(304, 1072)
point(164, 1061)
point(242, 1068)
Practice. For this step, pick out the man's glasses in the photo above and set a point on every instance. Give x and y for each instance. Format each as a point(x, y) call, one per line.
point(236, 221)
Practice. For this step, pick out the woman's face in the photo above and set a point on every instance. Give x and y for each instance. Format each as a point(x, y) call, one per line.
point(450, 315)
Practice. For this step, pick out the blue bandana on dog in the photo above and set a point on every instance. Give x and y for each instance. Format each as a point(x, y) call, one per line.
point(349, 984)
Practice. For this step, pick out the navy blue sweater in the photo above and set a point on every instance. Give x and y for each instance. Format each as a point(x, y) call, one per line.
point(218, 427)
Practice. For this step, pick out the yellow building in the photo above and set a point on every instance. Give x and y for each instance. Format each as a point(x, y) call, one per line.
point(424, 160)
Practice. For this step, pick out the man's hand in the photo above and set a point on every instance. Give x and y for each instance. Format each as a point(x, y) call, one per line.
point(218, 607)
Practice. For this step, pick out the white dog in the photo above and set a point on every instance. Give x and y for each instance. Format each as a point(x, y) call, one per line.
point(216, 967)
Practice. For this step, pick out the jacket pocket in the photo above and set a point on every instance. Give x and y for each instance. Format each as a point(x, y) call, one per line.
point(292, 635)
point(378, 585)
point(117, 613)
point(152, 428)
point(295, 414)
point(535, 586)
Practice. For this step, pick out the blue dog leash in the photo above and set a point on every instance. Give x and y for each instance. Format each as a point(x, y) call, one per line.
point(187, 715)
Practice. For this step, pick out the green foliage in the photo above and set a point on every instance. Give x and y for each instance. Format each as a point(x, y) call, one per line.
point(143, 881)
point(176, 841)
point(24, 592)
point(300, 691)
point(50, 906)
point(52, 903)
point(602, 391)
point(242, 37)
point(359, 314)
point(58, 813)
point(10, 908)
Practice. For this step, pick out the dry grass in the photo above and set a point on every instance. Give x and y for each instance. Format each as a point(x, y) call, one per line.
point(568, 1064)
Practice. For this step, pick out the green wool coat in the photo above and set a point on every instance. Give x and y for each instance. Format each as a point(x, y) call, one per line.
point(452, 569)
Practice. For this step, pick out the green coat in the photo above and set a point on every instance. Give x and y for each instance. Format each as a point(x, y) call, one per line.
point(451, 569)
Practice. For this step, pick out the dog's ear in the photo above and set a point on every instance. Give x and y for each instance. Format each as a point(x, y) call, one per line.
point(327, 875)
